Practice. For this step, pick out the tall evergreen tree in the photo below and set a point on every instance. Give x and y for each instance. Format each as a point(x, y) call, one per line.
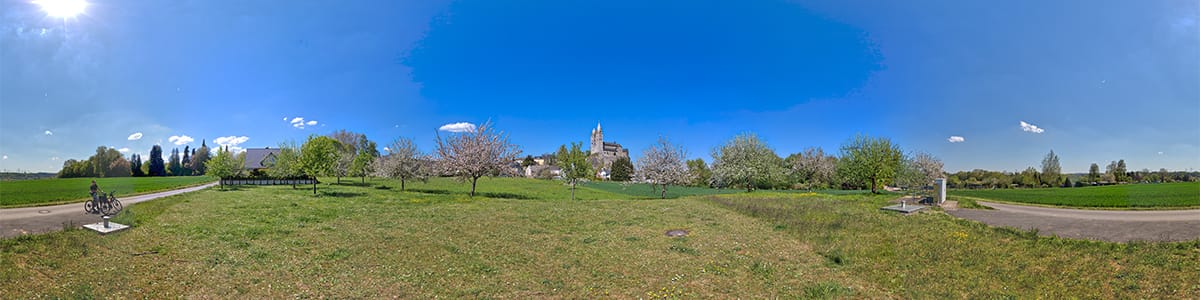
point(135, 165)
point(173, 164)
point(186, 164)
point(199, 158)
point(157, 167)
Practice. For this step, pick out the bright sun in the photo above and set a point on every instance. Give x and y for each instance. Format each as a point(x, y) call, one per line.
point(62, 8)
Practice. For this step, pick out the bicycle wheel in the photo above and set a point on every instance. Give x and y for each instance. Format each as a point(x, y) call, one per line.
point(117, 207)
point(89, 207)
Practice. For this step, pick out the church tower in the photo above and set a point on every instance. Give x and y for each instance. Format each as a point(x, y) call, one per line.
point(597, 140)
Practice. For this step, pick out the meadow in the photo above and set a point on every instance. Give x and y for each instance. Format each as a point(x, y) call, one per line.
point(1163, 195)
point(525, 240)
point(67, 190)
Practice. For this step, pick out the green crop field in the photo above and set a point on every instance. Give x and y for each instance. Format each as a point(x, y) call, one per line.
point(1165, 195)
point(58, 191)
point(522, 239)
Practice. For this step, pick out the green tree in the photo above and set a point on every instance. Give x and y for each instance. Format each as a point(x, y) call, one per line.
point(1051, 170)
point(287, 163)
point(622, 170)
point(700, 174)
point(317, 157)
point(157, 166)
point(1093, 173)
point(1029, 177)
point(574, 164)
point(199, 158)
point(746, 161)
point(528, 161)
point(364, 162)
point(869, 161)
point(186, 164)
point(225, 165)
point(135, 165)
point(1122, 172)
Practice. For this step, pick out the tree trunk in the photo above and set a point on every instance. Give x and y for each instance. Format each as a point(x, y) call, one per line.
point(401, 185)
point(873, 186)
point(572, 190)
point(339, 179)
point(364, 179)
point(473, 180)
point(664, 191)
point(314, 186)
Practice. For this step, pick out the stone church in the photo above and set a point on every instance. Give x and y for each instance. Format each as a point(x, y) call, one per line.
point(603, 154)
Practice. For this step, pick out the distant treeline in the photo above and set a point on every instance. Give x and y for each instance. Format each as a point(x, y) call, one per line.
point(11, 176)
point(108, 162)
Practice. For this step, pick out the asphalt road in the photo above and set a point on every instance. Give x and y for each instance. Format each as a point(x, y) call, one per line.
point(1106, 225)
point(42, 219)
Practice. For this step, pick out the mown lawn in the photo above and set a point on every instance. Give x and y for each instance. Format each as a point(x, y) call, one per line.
point(66, 190)
point(365, 242)
point(368, 241)
point(1169, 195)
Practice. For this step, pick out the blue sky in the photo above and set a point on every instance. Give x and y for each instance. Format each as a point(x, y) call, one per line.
point(1101, 80)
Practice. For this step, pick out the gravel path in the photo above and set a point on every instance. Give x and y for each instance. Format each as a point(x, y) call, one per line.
point(42, 219)
point(1106, 225)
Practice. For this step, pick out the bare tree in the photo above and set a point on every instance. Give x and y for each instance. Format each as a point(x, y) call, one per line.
point(663, 164)
point(403, 161)
point(473, 154)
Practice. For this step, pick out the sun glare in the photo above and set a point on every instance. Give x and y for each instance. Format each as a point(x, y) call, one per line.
point(62, 8)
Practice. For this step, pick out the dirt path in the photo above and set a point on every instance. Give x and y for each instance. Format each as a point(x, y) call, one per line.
point(1106, 225)
point(41, 219)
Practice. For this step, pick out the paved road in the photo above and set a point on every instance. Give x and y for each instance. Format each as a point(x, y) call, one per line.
point(41, 219)
point(1107, 225)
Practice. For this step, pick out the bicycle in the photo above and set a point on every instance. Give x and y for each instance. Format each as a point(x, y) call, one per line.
point(107, 204)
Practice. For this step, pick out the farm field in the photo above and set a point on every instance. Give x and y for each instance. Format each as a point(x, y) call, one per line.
point(1164, 195)
point(67, 190)
point(360, 241)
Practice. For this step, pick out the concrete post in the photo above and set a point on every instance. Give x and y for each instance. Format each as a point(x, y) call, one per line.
point(940, 183)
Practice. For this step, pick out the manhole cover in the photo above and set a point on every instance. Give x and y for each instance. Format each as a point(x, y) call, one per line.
point(43, 211)
point(676, 232)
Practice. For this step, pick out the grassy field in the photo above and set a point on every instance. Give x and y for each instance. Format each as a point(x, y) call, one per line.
point(1183, 194)
point(57, 191)
point(367, 241)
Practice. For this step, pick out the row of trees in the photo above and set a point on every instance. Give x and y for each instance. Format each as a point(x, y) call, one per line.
point(1051, 175)
point(108, 162)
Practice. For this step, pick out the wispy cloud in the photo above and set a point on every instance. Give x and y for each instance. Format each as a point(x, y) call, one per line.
point(298, 122)
point(5, 157)
point(458, 127)
point(179, 140)
point(123, 150)
point(956, 139)
point(54, 158)
point(48, 133)
point(135, 136)
point(1031, 128)
point(232, 142)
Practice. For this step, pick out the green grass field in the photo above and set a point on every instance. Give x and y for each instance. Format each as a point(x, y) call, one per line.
point(58, 191)
point(527, 241)
point(1171, 195)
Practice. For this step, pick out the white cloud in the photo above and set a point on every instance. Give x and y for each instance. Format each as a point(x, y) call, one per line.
point(1031, 128)
point(285, 118)
point(386, 149)
point(458, 127)
point(54, 158)
point(123, 150)
point(135, 136)
point(48, 133)
point(1160, 153)
point(5, 157)
point(299, 122)
point(179, 140)
point(956, 139)
point(232, 142)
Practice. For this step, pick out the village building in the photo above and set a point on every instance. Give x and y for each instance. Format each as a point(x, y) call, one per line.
point(603, 154)
point(260, 158)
